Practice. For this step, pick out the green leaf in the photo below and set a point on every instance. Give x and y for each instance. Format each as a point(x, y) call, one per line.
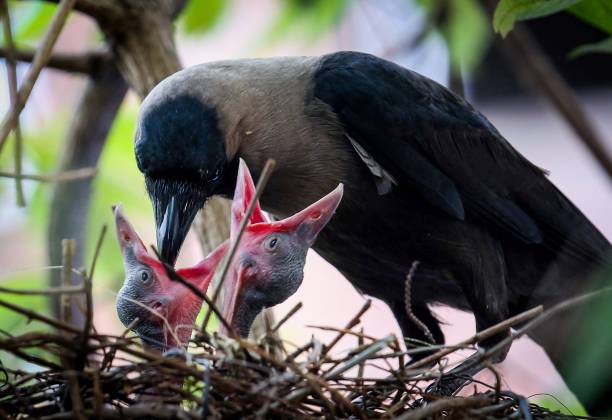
point(309, 18)
point(30, 20)
point(466, 33)
point(508, 12)
point(596, 12)
point(200, 16)
point(601, 47)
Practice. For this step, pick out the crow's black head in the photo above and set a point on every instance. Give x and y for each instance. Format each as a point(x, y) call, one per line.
point(181, 151)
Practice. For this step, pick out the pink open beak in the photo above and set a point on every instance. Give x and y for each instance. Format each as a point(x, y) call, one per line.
point(312, 219)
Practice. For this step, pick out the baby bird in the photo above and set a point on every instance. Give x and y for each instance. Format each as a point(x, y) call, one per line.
point(267, 268)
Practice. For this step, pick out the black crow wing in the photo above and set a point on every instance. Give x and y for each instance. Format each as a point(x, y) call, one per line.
point(432, 140)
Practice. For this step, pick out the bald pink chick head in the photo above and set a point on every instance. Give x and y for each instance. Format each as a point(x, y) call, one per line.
point(269, 263)
point(165, 309)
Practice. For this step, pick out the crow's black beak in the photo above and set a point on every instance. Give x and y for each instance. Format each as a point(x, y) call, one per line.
point(173, 228)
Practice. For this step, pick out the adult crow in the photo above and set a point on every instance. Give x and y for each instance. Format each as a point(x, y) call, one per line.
point(427, 178)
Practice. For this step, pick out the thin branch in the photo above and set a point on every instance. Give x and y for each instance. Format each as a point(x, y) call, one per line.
point(354, 321)
point(481, 335)
point(11, 72)
point(71, 290)
point(85, 63)
point(435, 408)
point(32, 314)
point(105, 10)
point(64, 176)
point(87, 287)
point(68, 250)
point(40, 59)
point(221, 272)
point(543, 317)
point(174, 276)
point(286, 317)
point(531, 61)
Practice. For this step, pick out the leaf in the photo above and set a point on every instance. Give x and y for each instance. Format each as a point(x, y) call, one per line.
point(596, 12)
point(30, 20)
point(601, 47)
point(466, 33)
point(312, 18)
point(200, 16)
point(508, 12)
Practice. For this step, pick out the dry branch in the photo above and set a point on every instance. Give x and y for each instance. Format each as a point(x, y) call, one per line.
point(223, 378)
point(221, 271)
point(64, 176)
point(11, 71)
point(38, 62)
point(85, 63)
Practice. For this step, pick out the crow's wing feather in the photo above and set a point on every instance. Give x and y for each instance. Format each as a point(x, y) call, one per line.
point(430, 139)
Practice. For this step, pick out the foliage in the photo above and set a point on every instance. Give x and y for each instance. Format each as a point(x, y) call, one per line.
point(600, 47)
point(30, 19)
point(200, 16)
point(597, 13)
point(308, 18)
point(510, 11)
point(465, 28)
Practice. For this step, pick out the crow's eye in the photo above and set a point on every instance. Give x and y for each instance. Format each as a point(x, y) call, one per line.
point(145, 277)
point(272, 243)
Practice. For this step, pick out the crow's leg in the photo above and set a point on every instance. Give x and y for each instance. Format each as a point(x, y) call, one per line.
point(478, 267)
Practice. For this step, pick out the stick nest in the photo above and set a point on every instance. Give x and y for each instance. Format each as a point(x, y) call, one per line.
point(76, 374)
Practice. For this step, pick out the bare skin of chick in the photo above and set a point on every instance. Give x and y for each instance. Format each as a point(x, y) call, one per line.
point(267, 268)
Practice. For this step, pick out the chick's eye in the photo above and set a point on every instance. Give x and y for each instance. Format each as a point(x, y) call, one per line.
point(272, 243)
point(144, 276)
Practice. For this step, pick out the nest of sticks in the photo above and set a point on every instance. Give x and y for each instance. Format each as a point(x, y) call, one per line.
point(77, 373)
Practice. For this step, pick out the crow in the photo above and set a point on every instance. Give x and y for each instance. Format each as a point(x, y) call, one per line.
point(427, 178)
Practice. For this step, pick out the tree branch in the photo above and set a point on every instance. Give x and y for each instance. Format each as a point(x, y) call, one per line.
point(11, 71)
point(38, 62)
point(530, 61)
point(85, 63)
point(64, 176)
point(86, 137)
point(97, 9)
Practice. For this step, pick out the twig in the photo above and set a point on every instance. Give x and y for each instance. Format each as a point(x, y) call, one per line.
point(408, 303)
point(44, 319)
point(444, 404)
point(544, 316)
point(174, 276)
point(64, 176)
point(71, 290)
point(85, 63)
point(354, 321)
point(11, 72)
point(339, 370)
point(87, 287)
point(286, 317)
point(97, 251)
point(75, 395)
point(221, 271)
point(38, 62)
point(361, 368)
point(481, 335)
point(530, 60)
point(68, 249)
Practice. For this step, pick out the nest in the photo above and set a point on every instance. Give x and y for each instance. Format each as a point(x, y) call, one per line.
point(77, 373)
